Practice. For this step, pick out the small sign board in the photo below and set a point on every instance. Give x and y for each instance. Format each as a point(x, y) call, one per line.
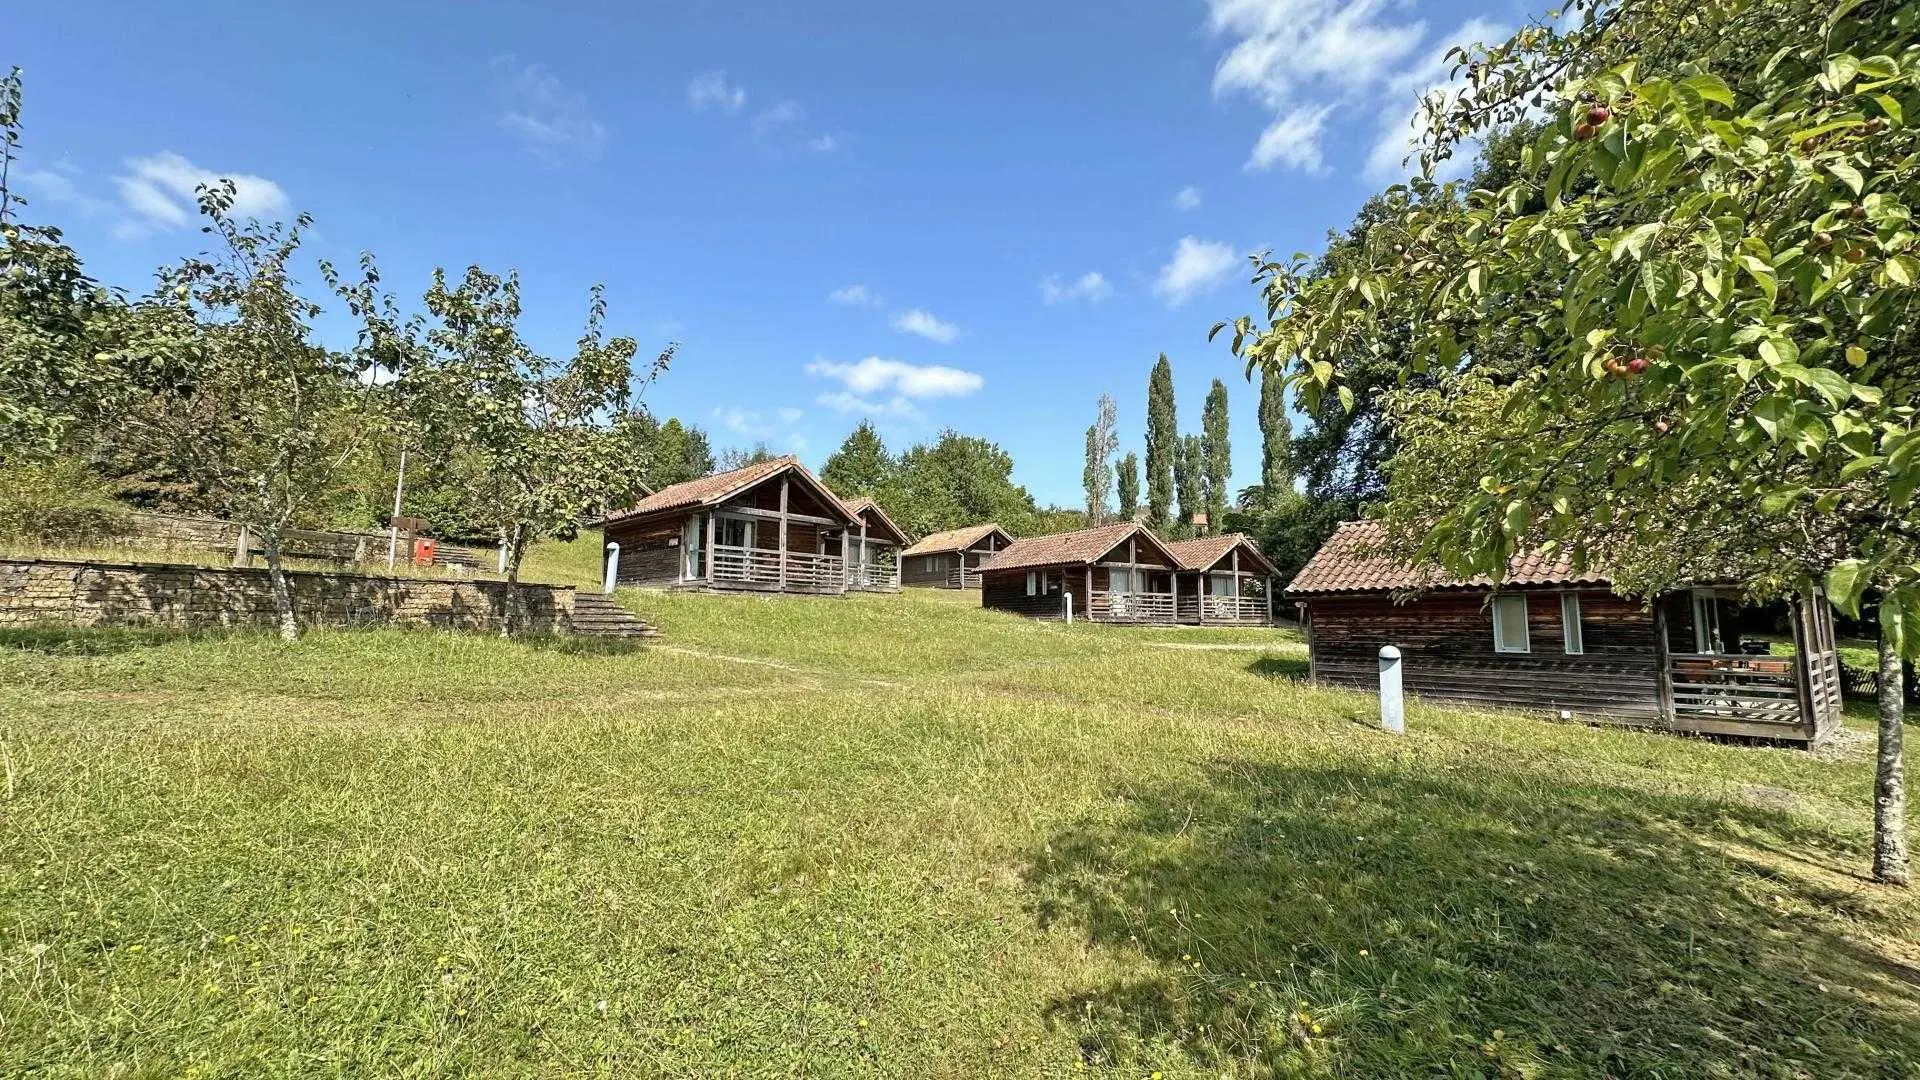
point(408, 524)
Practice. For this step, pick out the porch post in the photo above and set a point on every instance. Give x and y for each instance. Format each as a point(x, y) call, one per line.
point(863, 551)
point(1663, 667)
point(786, 482)
point(846, 538)
point(1235, 557)
point(1175, 578)
point(1269, 592)
point(1088, 613)
point(706, 549)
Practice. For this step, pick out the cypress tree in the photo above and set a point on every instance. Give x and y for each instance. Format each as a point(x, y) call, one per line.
point(1129, 487)
point(1276, 439)
point(1189, 469)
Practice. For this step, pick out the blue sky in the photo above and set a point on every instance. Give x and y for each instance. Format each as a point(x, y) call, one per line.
point(980, 217)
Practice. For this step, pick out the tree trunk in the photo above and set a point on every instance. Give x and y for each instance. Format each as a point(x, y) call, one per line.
point(1889, 780)
point(282, 594)
point(516, 545)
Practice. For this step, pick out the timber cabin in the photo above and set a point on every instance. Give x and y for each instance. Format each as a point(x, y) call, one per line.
point(1551, 637)
point(951, 559)
point(769, 527)
point(1117, 573)
point(1224, 581)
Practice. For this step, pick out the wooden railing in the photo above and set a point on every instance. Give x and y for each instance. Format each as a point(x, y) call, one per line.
point(1233, 609)
point(1145, 607)
point(757, 566)
point(884, 574)
point(1750, 689)
point(963, 577)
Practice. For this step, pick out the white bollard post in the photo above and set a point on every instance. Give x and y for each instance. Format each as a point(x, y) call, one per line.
point(1393, 709)
point(613, 567)
point(1067, 598)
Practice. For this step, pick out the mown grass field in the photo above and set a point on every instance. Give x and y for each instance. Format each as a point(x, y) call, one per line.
point(899, 836)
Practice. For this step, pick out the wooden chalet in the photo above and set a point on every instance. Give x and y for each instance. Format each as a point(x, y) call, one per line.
point(1224, 581)
point(770, 527)
point(1117, 573)
point(1551, 637)
point(873, 554)
point(951, 559)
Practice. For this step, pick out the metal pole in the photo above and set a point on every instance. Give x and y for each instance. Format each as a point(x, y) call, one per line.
point(393, 523)
point(1393, 710)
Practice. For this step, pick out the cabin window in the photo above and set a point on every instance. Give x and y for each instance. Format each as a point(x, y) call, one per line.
point(1570, 624)
point(1706, 622)
point(736, 532)
point(1033, 583)
point(1224, 585)
point(1120, 581)
point(1510, 624)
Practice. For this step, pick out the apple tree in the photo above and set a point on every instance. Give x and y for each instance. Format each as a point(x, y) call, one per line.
point(1710, 249)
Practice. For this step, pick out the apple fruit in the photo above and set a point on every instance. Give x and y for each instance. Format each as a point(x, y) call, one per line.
point(1598, 115)
point(1583, 131)
point(1637, 366)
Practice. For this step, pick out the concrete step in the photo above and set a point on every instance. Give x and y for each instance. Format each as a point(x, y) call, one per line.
point(595, 615)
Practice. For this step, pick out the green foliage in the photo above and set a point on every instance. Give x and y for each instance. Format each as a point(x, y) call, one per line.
point(1097, 477)
point(957, 480)
point(1190, 477)
point(684, 453)
point(1129, 487)
point(54, 333)
point(57, 501)
point(861, 466)
point(1276, 435)
point(1287, 527)
point(1216, 453)
point(738, 457)
point(1711, 249)
point(1163, 445)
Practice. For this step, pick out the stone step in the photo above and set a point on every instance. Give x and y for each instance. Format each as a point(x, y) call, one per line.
point(596, 615)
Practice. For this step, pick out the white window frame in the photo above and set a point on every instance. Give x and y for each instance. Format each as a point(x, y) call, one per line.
point(1033, 583)
point(1500, 642)
point(1571, 636)
point(1706, 609)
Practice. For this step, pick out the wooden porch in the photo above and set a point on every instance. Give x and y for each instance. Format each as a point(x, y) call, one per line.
point(1147, 608)
point(1790, 698)
point(737, 567)
point(1226, 610)
point(879, 572)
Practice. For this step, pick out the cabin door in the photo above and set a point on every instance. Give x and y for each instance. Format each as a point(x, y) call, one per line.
point(1706, 623)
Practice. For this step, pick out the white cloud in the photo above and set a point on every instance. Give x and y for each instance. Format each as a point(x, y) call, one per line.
point(56, 187)
point(846, 402)
point(711, 90)
point(789, 415)
point(1293, 139)
point(1196, 267)
point(1303, 60)
point(742, 421)
point(878, 374)
point(551, 121)
point(1187, 198)
point(768, 121)
point(823, 144)
point(159, 193)
point(1091, 286)
point(1399, 134)
point(854, 296)
point(926, 325)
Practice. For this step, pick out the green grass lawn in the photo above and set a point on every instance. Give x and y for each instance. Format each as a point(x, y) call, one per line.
point(900, 836)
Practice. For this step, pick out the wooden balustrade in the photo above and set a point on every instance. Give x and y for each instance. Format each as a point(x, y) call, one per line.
point(1758, 689)
point(1145, 607)
point(733, 565)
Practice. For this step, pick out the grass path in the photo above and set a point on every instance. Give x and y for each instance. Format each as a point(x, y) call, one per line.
point(899, 836)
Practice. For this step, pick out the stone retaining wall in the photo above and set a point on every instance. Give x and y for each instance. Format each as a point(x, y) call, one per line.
point(203, 598)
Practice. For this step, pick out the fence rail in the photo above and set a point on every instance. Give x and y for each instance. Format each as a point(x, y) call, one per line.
point(963, 578)
point(756, 566)
point(876, 575)
point(1758, 690)
point(1143, 607)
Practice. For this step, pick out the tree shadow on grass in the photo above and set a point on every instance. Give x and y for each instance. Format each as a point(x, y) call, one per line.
point(1280, 667)
point(1465, 922)
point(57, 640)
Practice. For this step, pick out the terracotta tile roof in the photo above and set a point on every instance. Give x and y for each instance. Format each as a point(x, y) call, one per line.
point(1202, 552)
point(862, 505)
point(1349, 562)
point(1076, 548)
point(954, 540)
point(715, 489)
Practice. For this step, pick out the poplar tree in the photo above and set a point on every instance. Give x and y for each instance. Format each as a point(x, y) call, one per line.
point(1129, 485)
point(1216, 454)
point(1276, 438)
point(1162, 445)
point(1097, 478)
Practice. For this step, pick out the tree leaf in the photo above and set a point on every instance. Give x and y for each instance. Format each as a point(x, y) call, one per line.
point(1845, 584)
point(1847, 175)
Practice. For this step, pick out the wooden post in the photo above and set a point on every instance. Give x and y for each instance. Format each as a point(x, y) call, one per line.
point(863, 551)
point(713, 537)
point(785, 483)
point(1235, 556)
point(1089, 604)
point(1805, 655)
point(1663, 670)
point(1175, 578)
point(846, 539)
point(1269, 599)
point(243, 548)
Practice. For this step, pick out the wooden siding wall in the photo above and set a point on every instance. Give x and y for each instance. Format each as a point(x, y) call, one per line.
point(1006, 590)
point(1446, 640)
point(649, 555)
point(925, 569)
